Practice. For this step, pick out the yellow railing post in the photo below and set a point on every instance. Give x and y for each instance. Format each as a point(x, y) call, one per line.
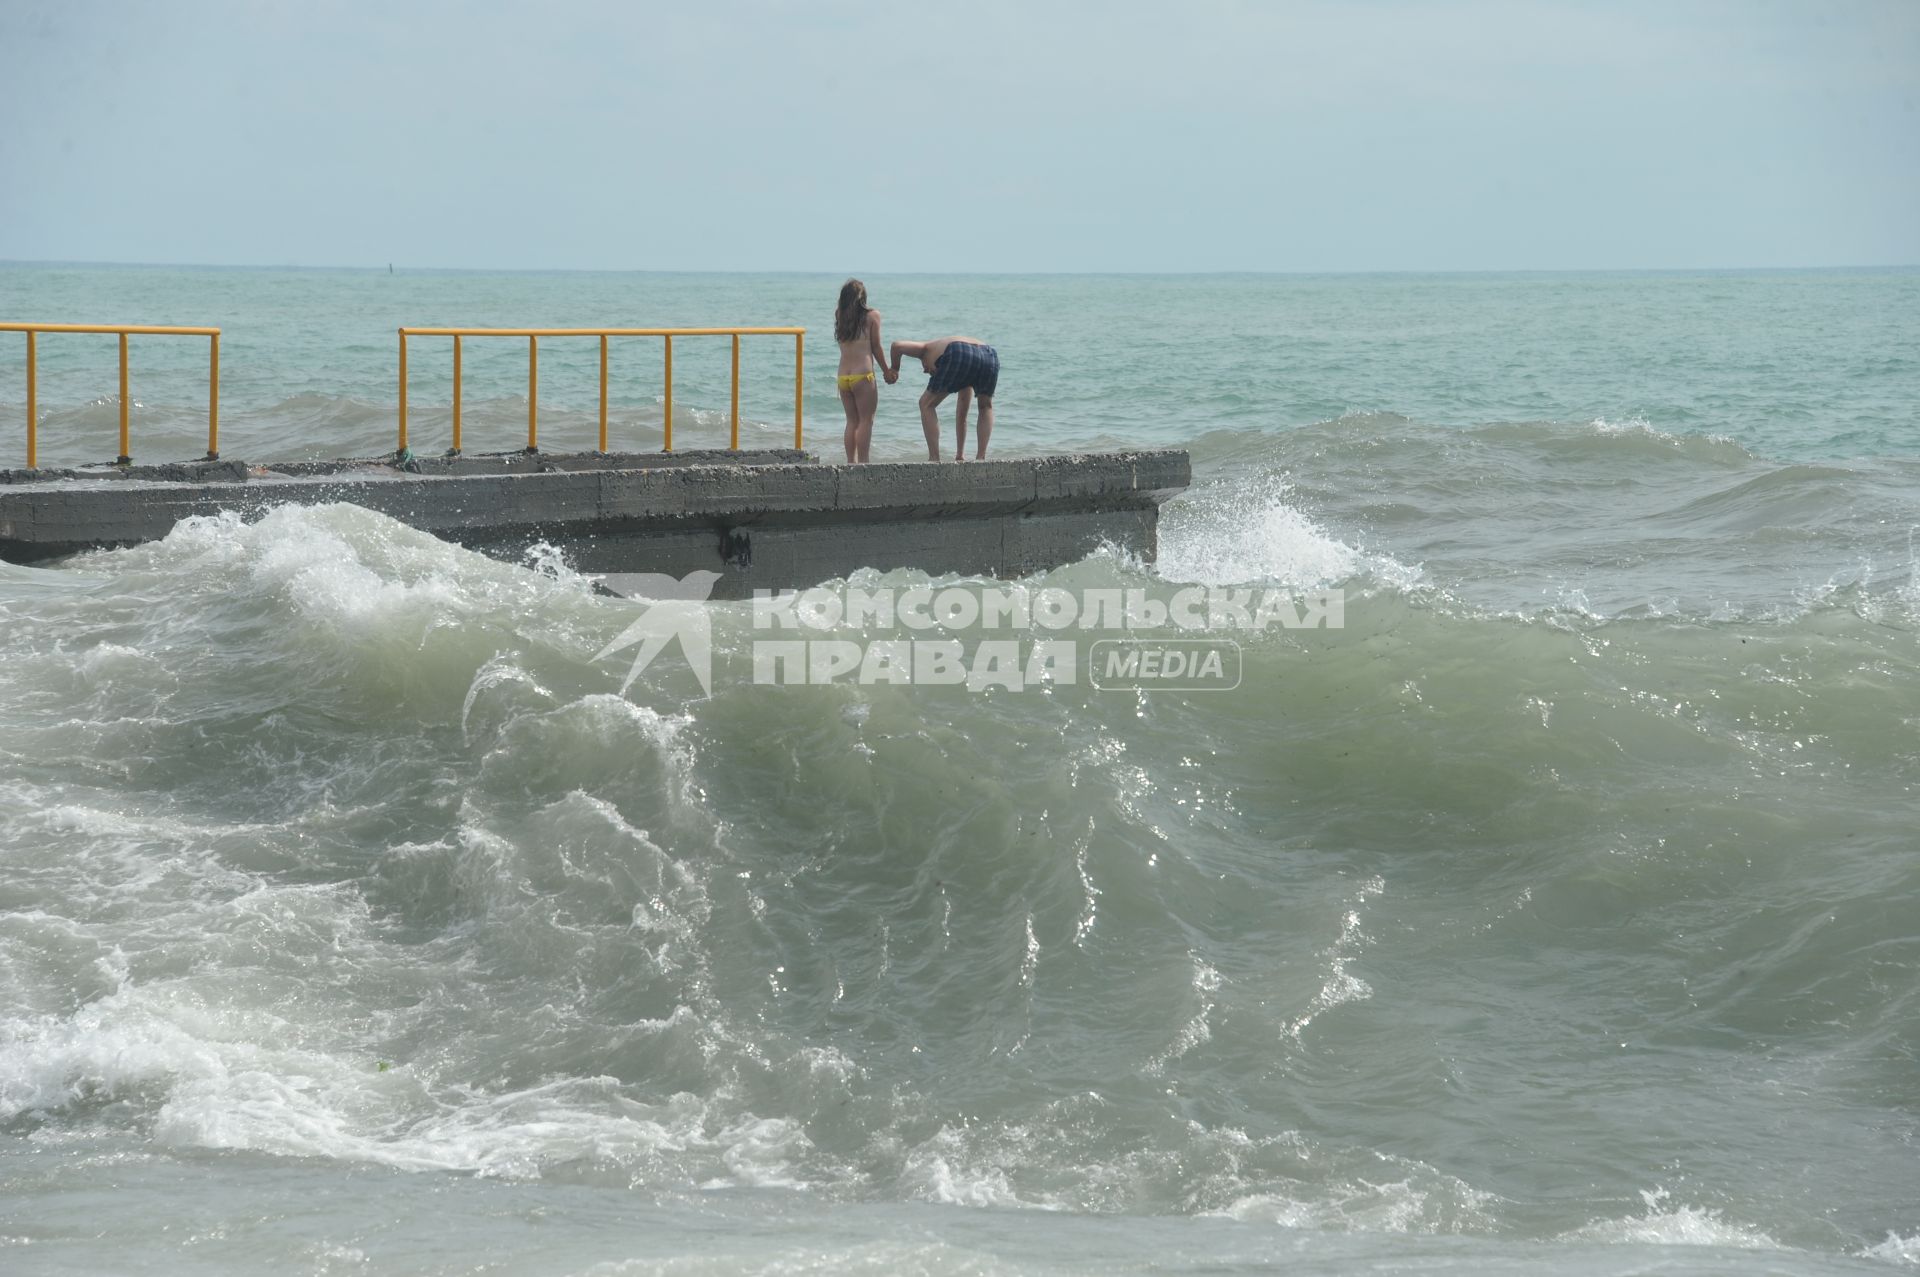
point(456, 396)
point(533, 394)
point(122, 331)
point(126, 451)
point(667, 443)
point(401, 450)
point(213, 398)
point(799, 383)
point(33, 412)
point(604, 334)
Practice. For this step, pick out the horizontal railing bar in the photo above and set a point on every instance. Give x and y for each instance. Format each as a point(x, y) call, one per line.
point(137, 329)
point(597, 332)
point(532, 337)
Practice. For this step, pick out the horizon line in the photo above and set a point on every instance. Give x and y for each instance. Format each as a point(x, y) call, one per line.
point(395, 268)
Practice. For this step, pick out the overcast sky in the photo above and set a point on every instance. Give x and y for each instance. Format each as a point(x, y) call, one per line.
point(975, 136)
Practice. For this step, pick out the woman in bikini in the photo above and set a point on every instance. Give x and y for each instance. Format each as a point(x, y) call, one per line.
point(857, 329)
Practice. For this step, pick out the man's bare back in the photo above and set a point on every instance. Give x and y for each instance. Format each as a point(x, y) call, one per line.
point(928, 352)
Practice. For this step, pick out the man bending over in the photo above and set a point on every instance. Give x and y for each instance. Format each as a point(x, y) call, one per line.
point(952, 363)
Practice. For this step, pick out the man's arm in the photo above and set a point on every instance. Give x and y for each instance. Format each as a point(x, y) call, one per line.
point(906, 350)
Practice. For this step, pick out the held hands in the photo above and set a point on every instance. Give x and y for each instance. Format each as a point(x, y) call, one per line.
point(892, 375)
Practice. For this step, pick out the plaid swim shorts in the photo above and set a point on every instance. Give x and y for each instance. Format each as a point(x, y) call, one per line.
point(962, 364)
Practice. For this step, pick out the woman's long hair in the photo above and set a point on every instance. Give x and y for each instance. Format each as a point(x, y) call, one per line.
point(850, 318)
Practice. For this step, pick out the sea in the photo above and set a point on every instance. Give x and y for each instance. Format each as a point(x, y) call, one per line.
point(1558, 910)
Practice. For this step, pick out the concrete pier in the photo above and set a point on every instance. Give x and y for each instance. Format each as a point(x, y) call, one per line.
point(764, 520)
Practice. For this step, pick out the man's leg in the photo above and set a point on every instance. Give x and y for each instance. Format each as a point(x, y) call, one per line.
point(930, 422)
point(986, 423)
point(964, 401)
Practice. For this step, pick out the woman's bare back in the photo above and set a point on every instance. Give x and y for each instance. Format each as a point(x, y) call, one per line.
point(860, 354)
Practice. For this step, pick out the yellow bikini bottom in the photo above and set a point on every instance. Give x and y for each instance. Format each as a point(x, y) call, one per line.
point(848, 380)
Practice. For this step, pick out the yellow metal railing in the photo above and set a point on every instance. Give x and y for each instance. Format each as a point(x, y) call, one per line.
point(126, 401)
point(533, 336)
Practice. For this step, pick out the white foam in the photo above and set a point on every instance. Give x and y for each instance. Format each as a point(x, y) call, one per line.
point(945, 1169)
point(1198, 1030)
point(1346, 1206)
point(499, 673)
point(1632, 425)
point(1243, 534)
point(1663, 1225)
point(1896, 1250)
point(1242, 539)
point(220, 1089)
point(1341, 986)
point(603, 722)
point(883, 1259)
point(1341, 1190)
point(347, 568)
point(759, 1152)
point(106, 660)
point(139, 861)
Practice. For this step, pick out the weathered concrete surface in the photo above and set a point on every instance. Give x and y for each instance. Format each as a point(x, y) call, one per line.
point(762, 521)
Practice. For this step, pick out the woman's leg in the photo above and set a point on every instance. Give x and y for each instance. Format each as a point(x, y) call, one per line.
point(851, 403)
point(866, 398)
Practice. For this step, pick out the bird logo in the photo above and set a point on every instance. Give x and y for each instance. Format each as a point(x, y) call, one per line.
point(676, 609)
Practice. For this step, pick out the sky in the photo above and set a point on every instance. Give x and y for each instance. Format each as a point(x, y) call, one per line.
point(980, 136)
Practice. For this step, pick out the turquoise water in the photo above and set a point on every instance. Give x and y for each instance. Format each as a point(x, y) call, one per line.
point(1790, 365)
point(1556, 913)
